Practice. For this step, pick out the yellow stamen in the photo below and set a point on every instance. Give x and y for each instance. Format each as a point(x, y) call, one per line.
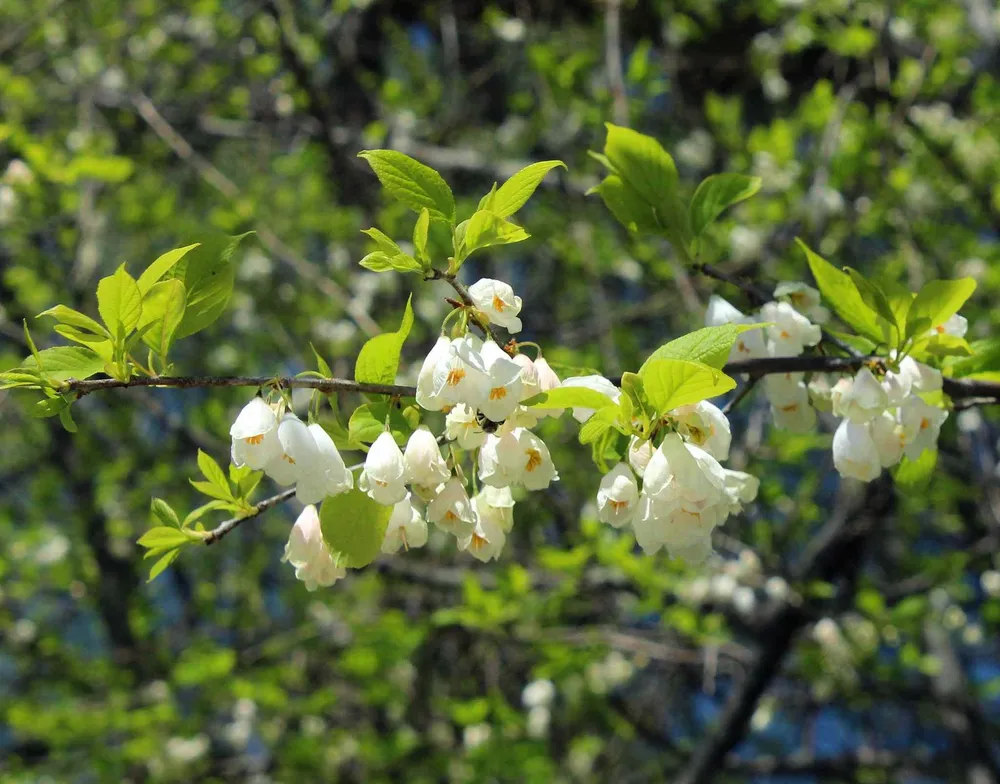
point(254, 440)
point(498, 393)
point(288, 459)
point(402, 536)
point(925, 423)
point(534, 460)
point(940, 329)
point(380, 483)
point(784, 334)
point(742, 347)
point(477, 543)
point(617, 506)
point(450, 516)
point(790, 408)
point(498, 304)
point(455, 376)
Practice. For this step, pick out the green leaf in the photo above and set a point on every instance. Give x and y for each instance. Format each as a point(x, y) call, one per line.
point(943, 346)
point(873, 296)
point(17, 377)
point(411, 182)
point(514, 193)
point(939, 300)
point(212, 471)
point(248, 484)
point(489, 200)
point(354, 525)
point(485, 229)
point(99, 345)
point(66, 419)
point(321, 364)
point(64, 362)
point(74, 318)
point(49, 407)
point(570, 397)
point(708, 345)
point(642, 164)
point(603, 420)
point(381, 262)
point(985, 358)
point(167, 559)
point(163, 512)
point(196, 514)
point(119, 302)
point(716, 193)
point(378, 360)
point(163, 538)
point(368, 422)
point(420, 230)
point(670, 383)
point(841, 294)
point(162, 312)
point(155, 271)
point(628, 207)
point(209, 274)
point(213, 490)
point(915, 474)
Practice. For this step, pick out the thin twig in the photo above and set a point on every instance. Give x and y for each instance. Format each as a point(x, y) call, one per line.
point(463, 294)
point(226, 526)
point(328, 385)
point(745, 390)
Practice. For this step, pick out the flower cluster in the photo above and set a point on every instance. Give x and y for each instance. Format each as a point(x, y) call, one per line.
point(685, 490)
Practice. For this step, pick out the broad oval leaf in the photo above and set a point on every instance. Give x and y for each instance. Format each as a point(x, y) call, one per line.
point(64, 362)
point(570, 397)
point(119, 301)
point(642, 163)
point(708, 345)
point(516, 191)
point(411, 182)
point(718, 192)
point(670, 383)
point(378, 359)
point(163, 311)
point(486, 228)
point(209, 274)
point(155, 271)
point(354, 526)
point(939, 300)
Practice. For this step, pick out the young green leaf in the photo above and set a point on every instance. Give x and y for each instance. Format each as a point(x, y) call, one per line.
point(164, 513)
point(162, 312)
point(516, 191)
point(420, 230)
point(385, 244)
point(708, 345)
point(354, 526)
point(485, 228)
point(155, 271)
point(570, 397)
point(74, 318)
point(119, 302)
point(378, 261)
point(642, 163)
point(628, 207)
point(913, 474)
point(321, 364)
point(64, 362)
point(168, 558)
point(985, 358)
point(670, 383)
point(603, 420)
point(368, 422)
point(939, 300)
point(209, 275)
point(378, 360)
point(873, 296)
point(411, 182)
point(211, 470)
point(489, 200)
point(716, 193)
point(163, 538)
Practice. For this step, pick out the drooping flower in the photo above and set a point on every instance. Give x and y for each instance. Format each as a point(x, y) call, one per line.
point(804, 298)
point(327, 474)
point(298, 452)
point(306, 550)
point(486, 539)
point(462, 425)
point(533, 461)
point(854, 452)
point(741, 488)
point(639, 453)
point(427, 395)
point(547, 379)
point(921, 425)
point(451, 509)
point(703, 424)
point(255, 435)
point(923, 378)
point(749, 344)
point(425, 465)
point(596, 383)
point(498, 465)
point(406, 528)
point(789, 398)
point(821, 391)
point(383, 477)
point(497, 302)
point(618, 497)
point(461, 377)
point(790, 332)
point(497, 503)
point(504, 387)
point(860, 399)
point(530, 385)
point(887, 435)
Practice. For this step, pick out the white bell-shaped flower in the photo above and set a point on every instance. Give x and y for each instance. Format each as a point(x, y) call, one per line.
point(854, 452)
point(686, 535)
point(462, 425)
point(486, 539)
point(860, 399)
point(325, 475)
point(306, 550)
point(547, 379)
point(790, 332)
point(923, 378)
point(749, 344)
point(255, 435)
point(897, 387)
point(821, 391)
point(497, 503)
point(406, 528)
point(298, 452)
point(461, 376)
point(921, 425)
point(703, 424)
point(533, 462)
point(598, 384)
point(639, 453)
point(425, 465)
point(618, 497)
point(498, 459)
point(427, 395)
point(789, 398)
point(804, 298)
point(685, 476)
point(451, 510)
point(741, 488)
point(384, 475)
point(956, 326)
point(505, 386)
point(497, 302)
point(887, 435)
point(530, 384)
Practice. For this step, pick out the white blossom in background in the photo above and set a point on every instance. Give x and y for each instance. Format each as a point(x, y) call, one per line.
point(790, 332)
point(618, 497)
point(530, 384)
point(703, 424)
point(741, 488)
point(920, 423)
point(789, 399)
point(804, 298)
point(821, 391)
point(596, 383)
point(854, 452)
point(538, 694)
point(406, 528)
point(423, 461)
point(427, 396)
point(326, 474)
point(461, 376)
point(298, 451)
point(504, 387)
point(496, 300)
point(255, 435)
point(955, 326)
point(306, 550)
point(461, 425)
point(451, 510)
point(887, 435)
point(639, 453)
point(383, 477)
point(860, 399)
point(749, 344)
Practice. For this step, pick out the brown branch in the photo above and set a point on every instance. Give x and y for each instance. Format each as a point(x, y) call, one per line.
point(463, 294)
point(227, 526)
point(329, 385)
